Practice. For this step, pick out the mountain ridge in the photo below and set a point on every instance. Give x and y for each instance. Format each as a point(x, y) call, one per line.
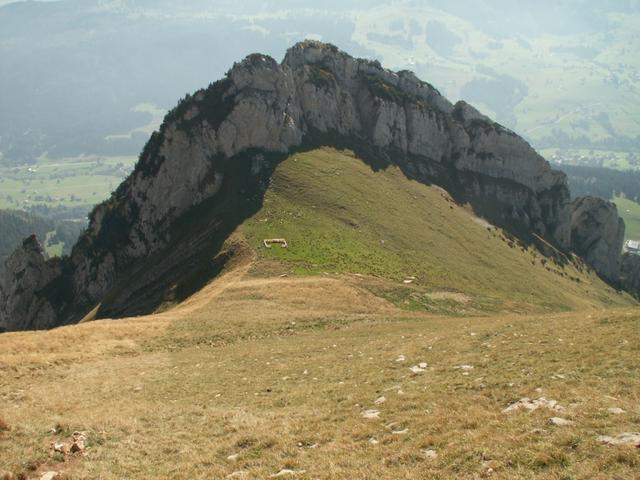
point(216, 149)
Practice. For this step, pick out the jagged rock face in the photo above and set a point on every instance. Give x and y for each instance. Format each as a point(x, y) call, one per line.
point(597, 234)
point(24, 304)
point(266, 107)
point(630, 273)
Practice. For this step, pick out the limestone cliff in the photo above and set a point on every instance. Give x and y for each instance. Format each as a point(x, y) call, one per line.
point(216, 148)
point(24, 299)
point(597, 234)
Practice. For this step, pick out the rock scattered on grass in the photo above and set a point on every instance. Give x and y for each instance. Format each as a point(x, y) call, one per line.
point(373, 441)
point(401, 358)
point(400, 432)
point(76, 447)
point(371, 414)
point(238, 474)
point(307, 445)
point(380, 400)
point(464, 367)
point(234, 457)
point(528, 404)
point(416, 369)
point(560, 422)
point(285, 472)
point(430, 453)
point(616, 411)
point(626, 438)
point(49, 476)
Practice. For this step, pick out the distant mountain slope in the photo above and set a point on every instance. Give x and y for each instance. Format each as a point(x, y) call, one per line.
point(78, 71)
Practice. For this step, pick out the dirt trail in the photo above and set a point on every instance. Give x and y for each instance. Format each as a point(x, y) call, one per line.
point(203, 297)
point(236, 293)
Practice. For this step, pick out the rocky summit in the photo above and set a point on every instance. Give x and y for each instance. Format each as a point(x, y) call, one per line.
point(209, 164)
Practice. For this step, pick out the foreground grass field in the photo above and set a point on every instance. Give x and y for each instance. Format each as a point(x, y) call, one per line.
point(341, 358)
point(252, 377)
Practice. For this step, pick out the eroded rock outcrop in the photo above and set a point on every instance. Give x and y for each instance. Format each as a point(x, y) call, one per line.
point(630, 273)
point(25, 303)
point(221, 142)
point(597, 234)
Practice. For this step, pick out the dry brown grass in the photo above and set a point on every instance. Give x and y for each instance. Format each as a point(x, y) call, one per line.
point(279, 371)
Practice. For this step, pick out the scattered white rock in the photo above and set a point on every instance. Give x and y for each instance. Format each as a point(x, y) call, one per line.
point(234, 457)
point(380, 400)
point(401, 358)
point(373, 441)
point(400, 432)
point(616, 410)
point(238, 474)
point(416, 369)
point(302, 445)
point(422, 364)
point(287, 472)
point(371, 414)
point(621, 439)
point(59, 447)
point(464, 367)
point(49, 476)
point(560, 422)
point(430, 453)
point(528, 404)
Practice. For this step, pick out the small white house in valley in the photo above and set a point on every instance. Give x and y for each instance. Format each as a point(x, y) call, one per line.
point(632, 246)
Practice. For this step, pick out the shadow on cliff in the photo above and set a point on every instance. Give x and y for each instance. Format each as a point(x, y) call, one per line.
point(196, 253)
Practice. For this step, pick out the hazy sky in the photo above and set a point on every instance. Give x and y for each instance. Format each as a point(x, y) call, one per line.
point(5, 2)
point(92, 77)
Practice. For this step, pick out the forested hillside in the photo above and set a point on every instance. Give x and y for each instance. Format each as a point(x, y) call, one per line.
point(16, 225)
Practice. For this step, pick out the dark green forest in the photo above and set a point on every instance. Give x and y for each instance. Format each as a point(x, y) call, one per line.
point(16, 225)
point(602, 182)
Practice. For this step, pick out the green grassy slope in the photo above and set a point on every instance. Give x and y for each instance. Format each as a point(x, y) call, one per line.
point(339, 216)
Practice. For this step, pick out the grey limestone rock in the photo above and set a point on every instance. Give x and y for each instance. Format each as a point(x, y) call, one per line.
point(597, 234)
point(24, 305)
point(630, 273)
